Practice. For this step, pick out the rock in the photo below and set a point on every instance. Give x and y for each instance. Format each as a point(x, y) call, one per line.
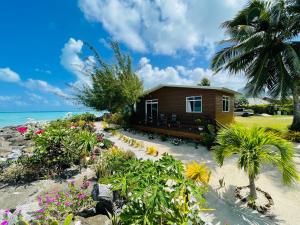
point(244, 199)
point(95, 220)
point(88, 213)
point(104, 195)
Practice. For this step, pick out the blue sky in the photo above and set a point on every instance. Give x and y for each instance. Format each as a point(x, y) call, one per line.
point(41, 45)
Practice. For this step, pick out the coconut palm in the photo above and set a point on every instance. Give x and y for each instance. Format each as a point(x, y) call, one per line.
point(256, 147)
point(262, 45)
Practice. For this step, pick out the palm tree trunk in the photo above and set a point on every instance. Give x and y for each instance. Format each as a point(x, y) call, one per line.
point(252, 188)
point(296, 120)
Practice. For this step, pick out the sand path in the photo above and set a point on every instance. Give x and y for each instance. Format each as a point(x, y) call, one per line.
point(286, 209)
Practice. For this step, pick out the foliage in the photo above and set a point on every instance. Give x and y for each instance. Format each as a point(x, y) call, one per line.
point(111, 160)
point(114, 87)
point(293, 136)
point(163, 138)
point(60, 146)
point(107, 144)
point(17, 172)
point(16, 218)
point(241, 101)
point(272, 109)
point(116, 118)
point(207, 139)
point(262, 44)
point(204, 82)
point(255, 147)
point(157, 192)
point(88, 117)
point(198, 172)
point(59, 204)
point(152, 151)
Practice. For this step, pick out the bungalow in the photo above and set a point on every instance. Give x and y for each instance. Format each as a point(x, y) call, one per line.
point(185, 107)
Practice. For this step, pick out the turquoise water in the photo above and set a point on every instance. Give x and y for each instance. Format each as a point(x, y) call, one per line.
point(18, 118)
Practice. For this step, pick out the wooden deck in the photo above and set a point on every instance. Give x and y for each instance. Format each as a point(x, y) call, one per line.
point(169, 132)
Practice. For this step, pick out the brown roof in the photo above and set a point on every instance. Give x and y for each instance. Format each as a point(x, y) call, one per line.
point(191, 86)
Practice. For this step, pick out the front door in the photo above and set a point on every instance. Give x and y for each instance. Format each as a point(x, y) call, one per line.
point(151, 110)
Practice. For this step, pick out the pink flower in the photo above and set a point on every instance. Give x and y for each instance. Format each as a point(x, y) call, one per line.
point(41, 210)
point(22, 130)
point(39, 132)
point(4, 222)
point(67, 203)
point(81, 196)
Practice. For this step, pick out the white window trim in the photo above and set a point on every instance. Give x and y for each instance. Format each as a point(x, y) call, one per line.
point(186, 100)
point(151, 102)
point(226, 96)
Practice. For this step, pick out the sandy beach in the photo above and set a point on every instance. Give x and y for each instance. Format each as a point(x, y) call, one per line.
point(286, 199)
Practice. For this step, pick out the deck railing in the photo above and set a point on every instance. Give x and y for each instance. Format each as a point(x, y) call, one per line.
point(190, 123)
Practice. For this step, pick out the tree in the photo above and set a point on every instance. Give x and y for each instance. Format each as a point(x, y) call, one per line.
point(262, 45)
point(241, 101)
point(204, 82)
point(114, 87)
point(254, 148)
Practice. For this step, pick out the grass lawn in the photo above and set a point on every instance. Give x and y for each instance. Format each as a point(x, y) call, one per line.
point(276, 122)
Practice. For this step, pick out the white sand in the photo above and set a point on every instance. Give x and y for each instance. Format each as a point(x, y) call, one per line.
point(286, 209)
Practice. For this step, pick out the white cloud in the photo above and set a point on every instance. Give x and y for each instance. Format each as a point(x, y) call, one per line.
point(164, 27)
point(7, 75)
point(43, 71)
point(44, 86)
point(37, 98)
point(4, 98)
point(70, 59)
point(181, 75)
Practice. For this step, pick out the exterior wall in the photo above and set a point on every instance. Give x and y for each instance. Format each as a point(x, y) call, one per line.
point(224, 117)
point(173, 100)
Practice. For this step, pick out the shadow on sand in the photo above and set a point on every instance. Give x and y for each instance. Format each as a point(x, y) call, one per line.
point(227, 210)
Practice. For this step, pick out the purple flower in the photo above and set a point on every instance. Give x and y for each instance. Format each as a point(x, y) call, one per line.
point(4, 222)
point(41, 210)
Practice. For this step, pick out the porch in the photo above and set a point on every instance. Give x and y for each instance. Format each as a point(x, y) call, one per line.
point(183, 126)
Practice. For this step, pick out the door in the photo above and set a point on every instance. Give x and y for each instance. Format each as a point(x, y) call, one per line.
point(151, 110)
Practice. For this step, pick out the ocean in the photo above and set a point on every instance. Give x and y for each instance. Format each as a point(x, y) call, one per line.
point(19, 118)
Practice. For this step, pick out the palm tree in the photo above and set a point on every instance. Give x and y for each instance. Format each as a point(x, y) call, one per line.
point(204, 82)
point(262, 45)
point(255, 147)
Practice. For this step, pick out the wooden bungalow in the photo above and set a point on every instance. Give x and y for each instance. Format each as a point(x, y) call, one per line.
point(184, 111)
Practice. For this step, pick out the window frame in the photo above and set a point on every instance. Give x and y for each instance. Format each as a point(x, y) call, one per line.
point(223, 99)
point(194, 100)
point(150, 102)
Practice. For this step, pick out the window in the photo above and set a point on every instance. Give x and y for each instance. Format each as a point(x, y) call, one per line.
point(226, 105)
point(194, 104)
point(152, 108)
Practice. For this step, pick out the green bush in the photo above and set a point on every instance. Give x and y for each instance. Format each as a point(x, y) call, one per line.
point(157, 192)
point(207, 139)
point(111, 161)
point(88, 117)
point(293, 136)
point(59, 147)
point(107, 144)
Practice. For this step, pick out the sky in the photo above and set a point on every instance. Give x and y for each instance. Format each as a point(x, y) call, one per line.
point(42, 47)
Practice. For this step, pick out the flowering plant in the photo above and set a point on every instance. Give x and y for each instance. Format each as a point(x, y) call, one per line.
point(59, 204)
point(22, 130)
point(10, 218)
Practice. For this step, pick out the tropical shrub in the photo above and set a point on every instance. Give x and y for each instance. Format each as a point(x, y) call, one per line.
point(157, 192)
point(198, 172)
point(152, 151)
point(111, 160)
point(293, 136)
point(59, 147)
point(107, 144)
point(16, 172)
point(88, 117)
point(59, 204)
point(207, 139)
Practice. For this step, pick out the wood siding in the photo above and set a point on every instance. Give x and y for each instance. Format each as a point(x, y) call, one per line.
point(172, 100)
